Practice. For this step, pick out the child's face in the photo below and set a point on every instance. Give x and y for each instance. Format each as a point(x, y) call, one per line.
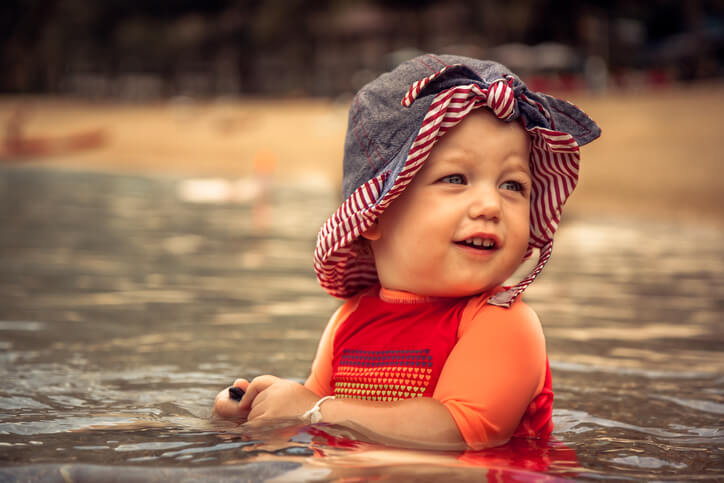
point(462, 225)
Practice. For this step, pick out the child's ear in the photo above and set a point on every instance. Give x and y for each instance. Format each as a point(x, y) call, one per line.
point(372, 233)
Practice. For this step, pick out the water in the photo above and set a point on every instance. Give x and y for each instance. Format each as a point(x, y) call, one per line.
point(126, 303)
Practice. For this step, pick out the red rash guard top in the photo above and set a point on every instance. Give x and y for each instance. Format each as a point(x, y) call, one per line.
point(486, 364)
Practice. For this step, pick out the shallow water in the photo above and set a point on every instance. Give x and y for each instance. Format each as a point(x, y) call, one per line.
point(127, 302)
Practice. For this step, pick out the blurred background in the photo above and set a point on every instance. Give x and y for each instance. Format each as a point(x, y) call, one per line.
point(161, 48)
point(232, 87)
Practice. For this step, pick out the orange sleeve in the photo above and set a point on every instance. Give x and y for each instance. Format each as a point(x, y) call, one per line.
point(496, 368)
point(319, 381)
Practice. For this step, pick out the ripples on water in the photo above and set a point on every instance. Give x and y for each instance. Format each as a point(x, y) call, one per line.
point(125, 307)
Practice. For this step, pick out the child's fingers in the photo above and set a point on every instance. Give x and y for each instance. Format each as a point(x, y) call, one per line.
point(257, 385)
point(226, 408)
point(241, 383)
point(237, 390)
point(255, 412)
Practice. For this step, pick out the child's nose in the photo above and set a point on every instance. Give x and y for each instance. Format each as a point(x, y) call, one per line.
point(485, 204)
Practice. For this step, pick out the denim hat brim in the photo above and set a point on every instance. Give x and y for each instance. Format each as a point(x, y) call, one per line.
point(394, 122)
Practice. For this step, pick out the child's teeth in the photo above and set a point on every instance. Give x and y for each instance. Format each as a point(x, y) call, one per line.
point(480, 242)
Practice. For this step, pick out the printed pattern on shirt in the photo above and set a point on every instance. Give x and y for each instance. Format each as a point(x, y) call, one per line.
point(383, 375)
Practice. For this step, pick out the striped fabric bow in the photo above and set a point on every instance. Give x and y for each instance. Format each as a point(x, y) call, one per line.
point(499, 96)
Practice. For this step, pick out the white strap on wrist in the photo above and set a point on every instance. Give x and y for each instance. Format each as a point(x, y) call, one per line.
point(315, 414)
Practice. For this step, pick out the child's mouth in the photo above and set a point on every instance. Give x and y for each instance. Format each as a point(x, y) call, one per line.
point(479, 243)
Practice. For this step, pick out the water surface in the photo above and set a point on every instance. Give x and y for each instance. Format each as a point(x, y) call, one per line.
point(127, 302)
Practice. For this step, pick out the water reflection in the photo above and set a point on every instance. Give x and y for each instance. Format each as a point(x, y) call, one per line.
point(125, 304)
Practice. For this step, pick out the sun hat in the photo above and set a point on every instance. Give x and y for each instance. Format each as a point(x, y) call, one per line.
point(394, 122)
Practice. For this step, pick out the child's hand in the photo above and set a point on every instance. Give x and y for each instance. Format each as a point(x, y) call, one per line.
point(272, 397)
point(226, 407)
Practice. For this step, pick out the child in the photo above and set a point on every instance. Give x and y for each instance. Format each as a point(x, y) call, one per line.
point(454, 172)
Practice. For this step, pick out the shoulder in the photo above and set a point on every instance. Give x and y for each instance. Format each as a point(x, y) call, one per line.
point(519, 320)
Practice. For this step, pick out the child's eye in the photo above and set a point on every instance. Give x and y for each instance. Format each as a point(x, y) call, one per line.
point(453, 179)
point(512, 185)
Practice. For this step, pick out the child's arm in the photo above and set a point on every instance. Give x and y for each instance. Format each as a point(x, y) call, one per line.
point(496, 369)
point(420, 422)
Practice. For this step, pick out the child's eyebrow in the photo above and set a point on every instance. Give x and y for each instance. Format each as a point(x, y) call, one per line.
point(517, 163)
point(464, 158)
point(450, 161)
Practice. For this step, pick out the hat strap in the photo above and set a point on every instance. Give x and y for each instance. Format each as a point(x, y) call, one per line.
point(505, 299)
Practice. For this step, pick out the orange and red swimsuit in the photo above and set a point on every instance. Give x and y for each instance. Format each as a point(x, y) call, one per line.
point(486, 364)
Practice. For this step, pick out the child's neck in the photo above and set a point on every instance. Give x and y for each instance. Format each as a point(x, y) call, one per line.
point(403, 297)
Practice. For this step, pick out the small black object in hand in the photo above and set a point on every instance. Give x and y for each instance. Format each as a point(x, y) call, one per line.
point(236, 393)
